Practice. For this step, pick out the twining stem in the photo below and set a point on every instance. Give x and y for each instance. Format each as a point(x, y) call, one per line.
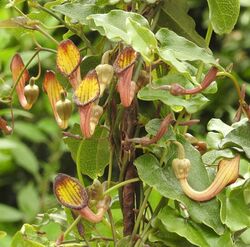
point(207, 41)
point(70, 228)
point(22, 71)
point(81, 34)
point(235, 82)
point(48, 11)
point(39, 29)
point(34, 78)
point(140, 215)
point(48, 50)
point(117, 186)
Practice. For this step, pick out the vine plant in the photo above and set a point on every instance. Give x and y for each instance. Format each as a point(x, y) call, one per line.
point(137, 72)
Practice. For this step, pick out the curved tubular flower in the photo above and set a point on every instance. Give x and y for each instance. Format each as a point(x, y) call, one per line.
point(53, 89)
point(68, 60)
point(84, 96)
point(176, 89)
point(145, 141)
point(17, 66)
point(123, 66)
point(228, 173)
point(71, 194)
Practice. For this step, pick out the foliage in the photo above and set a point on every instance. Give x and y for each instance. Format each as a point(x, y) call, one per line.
point(141, 78)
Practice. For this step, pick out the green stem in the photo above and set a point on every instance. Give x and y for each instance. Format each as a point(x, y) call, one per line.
point(235, 82)
point(112, 226)
point(48, 11)
point(85, 40)
point(165, 151)
point(22, 71)
point(80, 34)
point(207, 41)
point(140, 215)
point(70, 228)
point(117, 186)
point(39, 29)
point(110, 167)
point(48, 50)
point(78, 168)
point(181, 150)
point(138, 69)
point(144, 234)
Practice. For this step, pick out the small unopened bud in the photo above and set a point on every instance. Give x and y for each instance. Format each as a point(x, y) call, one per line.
point(96, 190)
point(181, 168)
point(64, 109)
point(31, 92)
point(105, 74)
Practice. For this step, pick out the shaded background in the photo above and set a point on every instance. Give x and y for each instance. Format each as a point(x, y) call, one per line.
point(31, 157)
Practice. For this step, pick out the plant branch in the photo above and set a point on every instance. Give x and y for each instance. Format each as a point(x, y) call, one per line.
point(117, 186)
point(140, 215)
point(207, 41)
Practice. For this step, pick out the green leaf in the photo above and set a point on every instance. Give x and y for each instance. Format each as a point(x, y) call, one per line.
point(174, 15)
point(7, 164)
point(141, 39)
point(113, 24)
point(223, 15)
point(165, 182)
point(26, 237)
point(192, 105)
point(214, 140)
point(211, 156)
point(245, 236)
point(25, 129)
point(124, 241)
point(19, 151)
point(92, 154)
point(25, 158)
point(235, 213)
point(2, 234)
point(166, 238)
point(199, 235)
point(28, 201)
point(217, 125)
point(78, 11)
point(9, 214)
point(175, 49)
point(239, 137)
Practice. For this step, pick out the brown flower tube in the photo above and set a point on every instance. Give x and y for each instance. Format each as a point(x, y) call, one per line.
point(123, 66)
point(53, 89)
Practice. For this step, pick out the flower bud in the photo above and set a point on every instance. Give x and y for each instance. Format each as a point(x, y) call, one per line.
point(31, 92)
point(64, 107)
point(105, 73)
point(95, 191)
point(181, 168)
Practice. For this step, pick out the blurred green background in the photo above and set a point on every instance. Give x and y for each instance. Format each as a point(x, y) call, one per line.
point(31, 157)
